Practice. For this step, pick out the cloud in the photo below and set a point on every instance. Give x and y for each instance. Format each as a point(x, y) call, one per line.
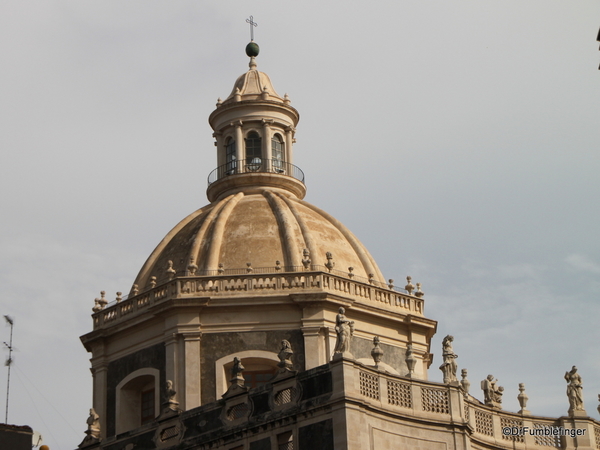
point(583, 263)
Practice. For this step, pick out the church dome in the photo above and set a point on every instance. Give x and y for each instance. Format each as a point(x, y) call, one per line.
point(268, 230)
point(257, 221)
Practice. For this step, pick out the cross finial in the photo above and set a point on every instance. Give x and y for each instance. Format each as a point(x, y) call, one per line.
point(252, 25)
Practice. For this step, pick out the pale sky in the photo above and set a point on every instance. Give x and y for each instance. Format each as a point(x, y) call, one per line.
point(458, 139)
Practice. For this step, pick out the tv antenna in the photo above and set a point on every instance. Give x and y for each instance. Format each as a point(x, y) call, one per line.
point(9, 361)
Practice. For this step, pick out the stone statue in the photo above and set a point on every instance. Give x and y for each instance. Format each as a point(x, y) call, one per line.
point(344, 329)
point(449, 365)
point(574, 391)
point(237, 381)
point(93, 423)
point(92, 434)
point(170, 404)
point(306, 259)
point(236, 373)
point(492, 393)
point(285, 357)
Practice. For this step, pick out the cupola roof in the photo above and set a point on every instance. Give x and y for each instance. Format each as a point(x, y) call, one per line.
point(252, 85)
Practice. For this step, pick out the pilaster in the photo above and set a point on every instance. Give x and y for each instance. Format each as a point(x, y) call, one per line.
point(191, 398)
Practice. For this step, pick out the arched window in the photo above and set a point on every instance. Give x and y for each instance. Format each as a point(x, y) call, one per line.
point(278, 152)
point(230, 158)
point(253, 152)
point(137, 399)
point(260, 367)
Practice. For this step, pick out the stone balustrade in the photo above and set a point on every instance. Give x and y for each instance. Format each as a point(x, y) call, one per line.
point(215, 286)
point(488, 427)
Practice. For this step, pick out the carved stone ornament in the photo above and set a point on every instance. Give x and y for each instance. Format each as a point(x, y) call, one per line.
point(344, 329)
point(237, 381)
point(100, 303)
point(92, 434)
point(522, 397)
point(170, 406)
point(306, 259)
point(330, 264)
point(285, 360)
point(409, 286)
point(192, 267)
point(410, 360)
point(449, 366)
point(419, 293)
point(465, 384)
point(377, 352)
point(492, 393)
point(170, 271)
point(575, 392)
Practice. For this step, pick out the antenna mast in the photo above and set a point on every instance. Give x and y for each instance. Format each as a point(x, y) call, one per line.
point(8, 362)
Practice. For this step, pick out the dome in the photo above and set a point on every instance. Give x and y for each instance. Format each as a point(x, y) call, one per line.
point(253, 85)
point(257, 221)
point(260, 229)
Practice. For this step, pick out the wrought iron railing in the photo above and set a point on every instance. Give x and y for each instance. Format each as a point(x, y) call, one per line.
point(256, 165)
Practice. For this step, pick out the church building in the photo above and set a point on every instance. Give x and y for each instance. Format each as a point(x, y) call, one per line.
point(260, 322)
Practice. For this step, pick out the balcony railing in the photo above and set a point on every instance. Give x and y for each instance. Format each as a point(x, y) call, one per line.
point(256, 165)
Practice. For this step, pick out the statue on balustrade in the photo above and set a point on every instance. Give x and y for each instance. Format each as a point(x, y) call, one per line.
point(492, 393)
point(574, 391)
point(344, 329)
point(449, 366)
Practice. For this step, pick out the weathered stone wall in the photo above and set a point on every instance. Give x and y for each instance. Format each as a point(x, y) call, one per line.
point(393, 356)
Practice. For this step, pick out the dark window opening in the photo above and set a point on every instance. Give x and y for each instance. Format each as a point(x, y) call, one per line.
point(253, 151)
point(148, 412)
point(258, 378)
point(277, 151)
point(230, 157)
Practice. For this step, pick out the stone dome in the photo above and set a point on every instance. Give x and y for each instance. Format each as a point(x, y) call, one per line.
point(253, 84)
point(257, 220)
point(260, 228)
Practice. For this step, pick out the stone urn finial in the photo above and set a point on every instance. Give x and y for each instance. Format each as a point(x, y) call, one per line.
point(522, 397)
point(419, 293)
point(465, 384)
point(410, 360)
point(409, 286)
point(330, 264)
point(377, 352)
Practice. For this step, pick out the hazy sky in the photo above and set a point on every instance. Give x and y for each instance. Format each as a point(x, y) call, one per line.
point(458, 139)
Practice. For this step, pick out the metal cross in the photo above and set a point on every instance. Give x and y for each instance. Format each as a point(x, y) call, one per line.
point(252, 25)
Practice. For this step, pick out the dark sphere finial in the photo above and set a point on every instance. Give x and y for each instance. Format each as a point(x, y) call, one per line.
point(252, 49)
